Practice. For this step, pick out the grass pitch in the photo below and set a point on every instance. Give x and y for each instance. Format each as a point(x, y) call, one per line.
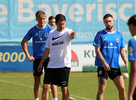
point(82, 86)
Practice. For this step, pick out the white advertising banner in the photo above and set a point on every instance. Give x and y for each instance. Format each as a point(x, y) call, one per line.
point(83, 58)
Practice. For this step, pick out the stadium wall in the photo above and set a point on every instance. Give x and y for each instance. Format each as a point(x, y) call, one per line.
point(13, 59)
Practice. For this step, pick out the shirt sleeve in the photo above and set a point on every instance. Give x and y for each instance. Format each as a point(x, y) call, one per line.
point(132, 50)
point(97, 40)
point(28, 35)
point(50, 28)
point(48, 41)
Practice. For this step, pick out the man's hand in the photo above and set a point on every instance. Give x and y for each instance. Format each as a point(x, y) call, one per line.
point(72, 35)
point(40, 68)
point(31, 58)
point(106, 67)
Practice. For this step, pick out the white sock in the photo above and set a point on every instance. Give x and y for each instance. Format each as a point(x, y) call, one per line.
point(54, 98)
point(36, 98)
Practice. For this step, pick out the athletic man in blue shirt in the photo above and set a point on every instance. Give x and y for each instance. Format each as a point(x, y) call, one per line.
point(39, 34)
point(108, 45)
point(132, 58)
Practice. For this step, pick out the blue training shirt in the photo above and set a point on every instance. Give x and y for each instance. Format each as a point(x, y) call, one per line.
point(39, 37)
point(132, 51)
point(110, 45)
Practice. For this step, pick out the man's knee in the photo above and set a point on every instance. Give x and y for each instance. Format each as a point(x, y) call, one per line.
point(46, 87)
point(101, 91)
point(102, 85)
point(122, 89)
point(37, 79)
point(64, 90)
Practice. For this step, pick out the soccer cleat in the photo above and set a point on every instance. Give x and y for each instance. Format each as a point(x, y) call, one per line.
point(70, 98)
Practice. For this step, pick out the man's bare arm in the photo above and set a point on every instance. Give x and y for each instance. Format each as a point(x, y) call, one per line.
point(44, 57)
point(24, 47)
point(100, 57)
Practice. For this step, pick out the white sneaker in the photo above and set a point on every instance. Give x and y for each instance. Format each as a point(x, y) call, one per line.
point(70, 98)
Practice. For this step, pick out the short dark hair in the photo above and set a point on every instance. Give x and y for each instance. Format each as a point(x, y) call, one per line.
point(60, 17)
point(107, 15)
point(132, 20)
point(51, 17)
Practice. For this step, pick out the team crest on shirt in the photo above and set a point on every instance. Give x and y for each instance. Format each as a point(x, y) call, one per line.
point(117, 40)
point(130, 49)
point(46, 34)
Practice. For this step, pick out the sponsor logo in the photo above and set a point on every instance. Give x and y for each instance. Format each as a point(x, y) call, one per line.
point(63, 83)
point(74, 59)
point(57, 43)
point(56, 37)
point(111, 46)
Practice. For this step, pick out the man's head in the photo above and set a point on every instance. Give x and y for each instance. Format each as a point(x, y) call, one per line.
point(108, 21)
point(60, 22)
point(40, 17)
point(132, 24)
point(51, 21)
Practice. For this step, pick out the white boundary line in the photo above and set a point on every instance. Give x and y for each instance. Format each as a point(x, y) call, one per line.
point(40, 88)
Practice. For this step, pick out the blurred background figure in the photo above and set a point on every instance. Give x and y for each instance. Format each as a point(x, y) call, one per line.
point(51, 21)
point(132, 58)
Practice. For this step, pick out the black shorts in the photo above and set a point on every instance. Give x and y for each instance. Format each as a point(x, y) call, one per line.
point(112, 74)
point(134, 97)
point(57, 76)
point(36, 64)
